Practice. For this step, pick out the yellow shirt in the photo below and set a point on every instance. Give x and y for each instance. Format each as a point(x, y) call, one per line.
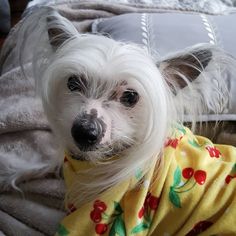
point(195, 194)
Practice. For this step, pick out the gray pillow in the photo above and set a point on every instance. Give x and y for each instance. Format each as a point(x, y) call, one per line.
point(4, 17)
point(166, 33)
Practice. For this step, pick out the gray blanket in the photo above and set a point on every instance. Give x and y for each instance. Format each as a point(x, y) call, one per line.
point(25, 134)
point(35, 211)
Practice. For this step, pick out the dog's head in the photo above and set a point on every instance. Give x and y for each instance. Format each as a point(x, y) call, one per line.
point(99, 96)
point(105, 98)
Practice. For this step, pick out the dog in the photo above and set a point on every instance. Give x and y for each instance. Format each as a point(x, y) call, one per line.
point(130, 165)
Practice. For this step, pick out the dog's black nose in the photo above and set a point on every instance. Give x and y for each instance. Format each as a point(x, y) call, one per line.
point(87, 130)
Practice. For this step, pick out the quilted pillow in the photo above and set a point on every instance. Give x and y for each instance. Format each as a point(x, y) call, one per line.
point(166, 33)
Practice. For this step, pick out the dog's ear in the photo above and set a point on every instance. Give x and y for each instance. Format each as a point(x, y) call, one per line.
point(59, 30)
point(186, 66)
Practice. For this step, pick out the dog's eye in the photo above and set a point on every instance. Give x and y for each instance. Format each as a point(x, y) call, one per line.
point(129, 98)
point(77, 83)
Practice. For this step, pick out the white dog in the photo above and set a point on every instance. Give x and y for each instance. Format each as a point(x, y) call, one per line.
point(112, 105)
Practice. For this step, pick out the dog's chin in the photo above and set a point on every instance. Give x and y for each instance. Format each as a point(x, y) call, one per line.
point(98, 152)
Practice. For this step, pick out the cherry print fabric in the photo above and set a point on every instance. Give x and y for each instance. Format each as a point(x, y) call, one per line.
point(195, 194)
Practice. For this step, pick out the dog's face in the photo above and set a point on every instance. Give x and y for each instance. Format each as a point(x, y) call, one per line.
point(94, 96)
point(103, 97)
point(105, 113)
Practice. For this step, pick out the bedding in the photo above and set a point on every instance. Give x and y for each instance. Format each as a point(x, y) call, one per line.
point(4, 17)
point(167, 33)
point(24, 130)
point(35, 210)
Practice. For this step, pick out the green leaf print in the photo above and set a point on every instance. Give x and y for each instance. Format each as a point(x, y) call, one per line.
point(62, 231)
point(138, 174)
point(118, 227)
point(112, 230)
point(118, 207)
point(174, 198)
point(194, 143)
point(181, 129)
point(234, 168)
point(141, 227)
point(177, 177)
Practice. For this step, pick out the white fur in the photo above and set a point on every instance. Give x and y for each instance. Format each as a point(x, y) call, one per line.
point(143, 128)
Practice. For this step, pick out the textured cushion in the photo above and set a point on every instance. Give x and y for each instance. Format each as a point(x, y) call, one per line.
point(4, 16)
point(166, 33)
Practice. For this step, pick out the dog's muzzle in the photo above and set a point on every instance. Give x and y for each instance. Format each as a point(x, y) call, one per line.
point(88, 131)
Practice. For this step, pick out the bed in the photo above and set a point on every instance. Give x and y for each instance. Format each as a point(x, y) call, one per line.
point(35, 207)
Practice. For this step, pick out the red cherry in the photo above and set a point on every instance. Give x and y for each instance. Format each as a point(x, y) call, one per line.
point(199, 228)
point(192, 232)
point(96, 216)
point(228, 179)
point(187, 173)
point(172, 142)
point(141, 213)
point(101, 228)
point(203, 225)
point(99, 205)
point(147, 199)
point(217, 153)
point(71, 207)
point(167, 142)
point(200, 176)
point(213, 152)
point(153, 202)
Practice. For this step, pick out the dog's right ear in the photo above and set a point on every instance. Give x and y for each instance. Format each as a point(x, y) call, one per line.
point(59, 30)
point(186, 66)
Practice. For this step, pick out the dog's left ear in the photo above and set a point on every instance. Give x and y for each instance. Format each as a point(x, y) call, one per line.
point(59, 30)
point(186, 66)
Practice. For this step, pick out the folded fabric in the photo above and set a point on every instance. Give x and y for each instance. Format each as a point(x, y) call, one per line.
point(195, 192)
point(35, 211)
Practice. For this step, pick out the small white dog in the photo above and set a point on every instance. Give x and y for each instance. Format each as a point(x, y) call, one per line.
point(112, 105)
